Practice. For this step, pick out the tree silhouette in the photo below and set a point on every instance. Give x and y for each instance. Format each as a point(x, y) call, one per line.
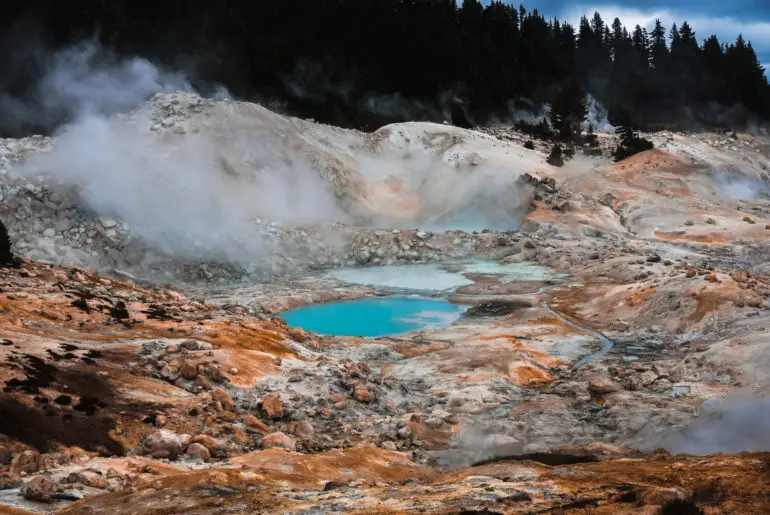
point(6, 254)
point(327, 59)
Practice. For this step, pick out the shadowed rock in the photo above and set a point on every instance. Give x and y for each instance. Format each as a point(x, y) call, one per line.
point(497, 308)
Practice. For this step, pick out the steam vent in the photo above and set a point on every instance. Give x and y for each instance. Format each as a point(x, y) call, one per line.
point(241, 276)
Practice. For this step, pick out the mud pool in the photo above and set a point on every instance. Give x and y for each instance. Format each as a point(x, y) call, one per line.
point(374, 317)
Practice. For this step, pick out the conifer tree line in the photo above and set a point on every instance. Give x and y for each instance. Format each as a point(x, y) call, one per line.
point(329, 59)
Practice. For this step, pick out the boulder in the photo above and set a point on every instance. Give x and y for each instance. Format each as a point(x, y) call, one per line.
point(224, 398)
point(302, 428)
point(198, 451)
point(272, 406)
point(39, 489)
point(601, 385)
point(28, 462)
point(210, 443)
point(253, 422)
point(362, 394)
point(188, 369)
point(279, 441)
point(164, 444)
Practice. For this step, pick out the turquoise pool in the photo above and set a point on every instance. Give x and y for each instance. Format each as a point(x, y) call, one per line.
point(372, 317)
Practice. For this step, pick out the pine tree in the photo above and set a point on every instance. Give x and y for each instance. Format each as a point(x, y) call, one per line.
point(641, 48)
point(568, 110)
point(556, 158)
point(6, 253)
point(658, 50)
point(628, 135)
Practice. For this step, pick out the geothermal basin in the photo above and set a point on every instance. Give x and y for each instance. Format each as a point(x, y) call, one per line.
point(409, 308)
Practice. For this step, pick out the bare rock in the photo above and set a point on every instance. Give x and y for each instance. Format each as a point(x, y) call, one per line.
point(298, 334)
point(164, 444)
point(224, 398)
point(39, 489)
point(601, 385)
point(5, 456)
point(272, 406)
point(302, 428)
point(188, 369)
point(361, 394)
point(606, 200)
point(280, 441)
point(253, 422)
point(209, 442)
point(170, 373)
point(198, 451)
point(203, 382)
point(28, 462)
point(9, 481)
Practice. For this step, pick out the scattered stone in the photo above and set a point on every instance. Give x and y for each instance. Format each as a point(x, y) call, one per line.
point(203, 382)
point(253, 422)
point(9, 481)
point(302, 428)
point(272, 406)
point(334, 485)
point(224, 398)
point(361, 394)
point(602, 385)
point(188, 369)
point(212, 444)
point(39, 489)
point(6, 456)
point(278, 440)
point(26, 462)
point(606, 200)
point(198, 451)
point(164, 444)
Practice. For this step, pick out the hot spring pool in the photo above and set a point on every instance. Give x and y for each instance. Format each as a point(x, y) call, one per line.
point(382, 316)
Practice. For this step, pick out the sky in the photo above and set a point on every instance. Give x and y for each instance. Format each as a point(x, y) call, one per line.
point(724, 18)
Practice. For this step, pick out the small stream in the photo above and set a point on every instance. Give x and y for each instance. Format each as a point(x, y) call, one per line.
point(607, 344)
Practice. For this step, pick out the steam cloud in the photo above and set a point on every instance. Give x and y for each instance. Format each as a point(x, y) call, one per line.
point(740, 188)
point(197, 195)
point(737, 425)
point(597, 117)
point(172, 193)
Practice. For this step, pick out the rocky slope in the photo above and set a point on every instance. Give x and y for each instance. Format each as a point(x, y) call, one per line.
point(622, 323)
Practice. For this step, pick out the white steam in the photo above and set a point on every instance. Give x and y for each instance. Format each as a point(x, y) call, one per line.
point(597, 117)
point(191, 176)
point(739, 188)
point(86, 80)
point(174, 192)
point(737, 425)
point(526, 111)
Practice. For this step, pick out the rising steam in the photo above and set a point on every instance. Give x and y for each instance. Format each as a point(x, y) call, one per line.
point(196, 191)
point(737, 425)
